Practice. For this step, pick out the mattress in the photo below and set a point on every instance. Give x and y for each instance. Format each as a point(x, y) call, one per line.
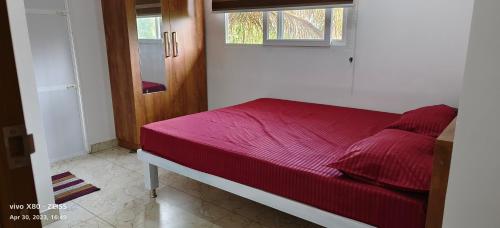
point(284, 147)
point(151, 87)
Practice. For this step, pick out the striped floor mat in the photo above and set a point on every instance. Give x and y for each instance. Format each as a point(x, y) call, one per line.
point(68, 187)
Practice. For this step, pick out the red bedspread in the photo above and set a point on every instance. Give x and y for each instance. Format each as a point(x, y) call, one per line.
point(284, 147)
point(151, 87)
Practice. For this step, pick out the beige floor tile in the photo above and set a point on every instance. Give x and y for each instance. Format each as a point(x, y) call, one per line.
point(256, 225)
point(182, 183)
point(58, 224)
point(122, 157)
point(154, 214)
point(168, 177)
point(182, 202)
point(233, 220)
point(277, 219)
point(224, 199)
point(136, 188)
point(73, 213)
point(104, 201)
point(205, 210)
point(111, 177)
point(94, 222)
point(252, 209)
point(70, 216)
point(172, 196)
point(80, 163)
point(132, 214)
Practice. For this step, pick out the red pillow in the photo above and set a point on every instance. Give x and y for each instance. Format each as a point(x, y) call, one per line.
point(430, 120)
point(392, 158)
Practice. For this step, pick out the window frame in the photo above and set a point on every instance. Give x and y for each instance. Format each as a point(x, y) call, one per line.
point(326, 42)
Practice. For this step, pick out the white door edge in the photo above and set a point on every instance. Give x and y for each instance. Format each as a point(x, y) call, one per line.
point(77, 76)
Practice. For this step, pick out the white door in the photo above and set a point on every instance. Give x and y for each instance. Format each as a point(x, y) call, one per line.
point(56, 77)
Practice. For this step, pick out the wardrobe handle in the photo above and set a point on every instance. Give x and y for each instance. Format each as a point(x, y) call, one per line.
point(176, 45)
point(167, 44)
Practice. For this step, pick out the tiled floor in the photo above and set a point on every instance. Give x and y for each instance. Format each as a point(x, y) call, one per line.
point(124, 202)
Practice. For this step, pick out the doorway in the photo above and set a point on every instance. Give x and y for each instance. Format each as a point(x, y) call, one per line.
point(56, 75)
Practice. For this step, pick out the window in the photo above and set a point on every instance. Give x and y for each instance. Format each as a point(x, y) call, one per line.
point(309, 27)
point(149, 28)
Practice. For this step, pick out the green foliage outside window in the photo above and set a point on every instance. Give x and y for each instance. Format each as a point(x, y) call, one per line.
point(247, 27)
point(244, 28)
point(297, 24)
point(148, 28)
point(337, 24)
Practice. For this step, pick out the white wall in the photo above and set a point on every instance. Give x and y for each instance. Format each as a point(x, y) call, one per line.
point(473, 198)
point(240, 73)
point(29, 96)
point(90, 47)
point(408, 53)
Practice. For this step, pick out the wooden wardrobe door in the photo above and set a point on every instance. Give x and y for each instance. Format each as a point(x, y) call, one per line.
point(187, 80)
point(124, 70)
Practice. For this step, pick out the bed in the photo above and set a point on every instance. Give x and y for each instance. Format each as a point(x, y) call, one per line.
point(152, 87)
point(277, 152)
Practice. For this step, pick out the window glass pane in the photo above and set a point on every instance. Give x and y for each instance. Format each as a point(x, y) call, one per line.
point(244, 28)
point(337, 24)
point(148, 28)
point(272, 25)
point(298, 24)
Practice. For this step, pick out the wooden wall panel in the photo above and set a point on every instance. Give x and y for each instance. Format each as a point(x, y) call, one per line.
point(440, 172)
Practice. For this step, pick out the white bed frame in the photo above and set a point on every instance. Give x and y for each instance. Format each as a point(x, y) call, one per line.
point(312, 214)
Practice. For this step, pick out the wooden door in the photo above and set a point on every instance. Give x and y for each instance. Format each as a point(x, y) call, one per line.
point(16, 176)
point(187, 90)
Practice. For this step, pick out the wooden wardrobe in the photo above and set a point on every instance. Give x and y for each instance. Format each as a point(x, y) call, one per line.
point(185, 66)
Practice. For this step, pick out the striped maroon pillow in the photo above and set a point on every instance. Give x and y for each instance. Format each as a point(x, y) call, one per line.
point(430, 120)
point(392, 158)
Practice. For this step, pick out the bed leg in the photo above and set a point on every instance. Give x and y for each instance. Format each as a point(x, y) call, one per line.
point(151, 178)
point(153, 194)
